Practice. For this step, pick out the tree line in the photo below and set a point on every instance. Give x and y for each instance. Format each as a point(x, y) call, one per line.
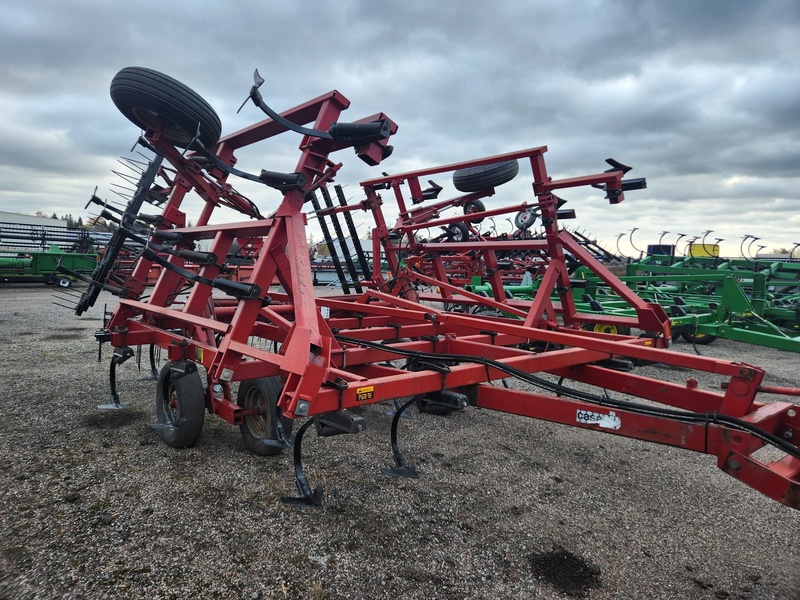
point(93, 224)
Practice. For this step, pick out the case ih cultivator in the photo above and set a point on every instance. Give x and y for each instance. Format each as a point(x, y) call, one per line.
point(261, 359)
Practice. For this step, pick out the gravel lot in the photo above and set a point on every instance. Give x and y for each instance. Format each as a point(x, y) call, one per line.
point(96, 506)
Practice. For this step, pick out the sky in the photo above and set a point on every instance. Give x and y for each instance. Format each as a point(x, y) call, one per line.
point(701, 97)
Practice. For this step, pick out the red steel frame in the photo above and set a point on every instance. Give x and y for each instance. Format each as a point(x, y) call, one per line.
point(342, 360)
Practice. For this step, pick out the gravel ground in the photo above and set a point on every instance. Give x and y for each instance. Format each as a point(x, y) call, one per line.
point(96, 506)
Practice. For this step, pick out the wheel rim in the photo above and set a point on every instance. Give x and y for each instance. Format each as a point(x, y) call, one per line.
point(525, 219)
point(600, 328)
point(172, 406)
point(171, 131)
point(257, 423)
point(457, 234)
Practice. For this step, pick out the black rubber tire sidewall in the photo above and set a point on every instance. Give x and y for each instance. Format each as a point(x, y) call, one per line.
point(191, 407)
point(477, 179)
point(270, 388)
point(456, 231)
point(473, 207)
point(143, 94)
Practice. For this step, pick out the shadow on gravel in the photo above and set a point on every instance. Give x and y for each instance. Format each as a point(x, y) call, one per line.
point(110, 419)
point(65, 336)
point(568, 573)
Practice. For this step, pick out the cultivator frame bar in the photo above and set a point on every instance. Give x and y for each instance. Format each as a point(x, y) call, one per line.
point(334, 355)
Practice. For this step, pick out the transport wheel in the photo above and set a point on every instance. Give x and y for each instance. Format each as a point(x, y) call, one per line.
point(180, 404)
point(457, 232)
point(472, 207)
point(698, 338)
point(262, 395)
point(147, 97)
point(477, 179)
point(64, 282)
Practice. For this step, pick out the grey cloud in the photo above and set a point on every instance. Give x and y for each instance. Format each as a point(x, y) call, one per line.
point(694, 95)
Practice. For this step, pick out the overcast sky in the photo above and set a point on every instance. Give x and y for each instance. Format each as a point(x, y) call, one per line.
point(701, 98)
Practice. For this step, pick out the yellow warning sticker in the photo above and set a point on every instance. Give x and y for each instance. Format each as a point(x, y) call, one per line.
point(198, 355)
point(365, 393)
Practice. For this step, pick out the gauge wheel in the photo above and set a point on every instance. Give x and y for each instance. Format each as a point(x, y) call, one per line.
point(525, 219)
point(149, 99)
point(472, 207)
point(180, 404)
point(457, 232)
point(484, 177)
point(262, 395)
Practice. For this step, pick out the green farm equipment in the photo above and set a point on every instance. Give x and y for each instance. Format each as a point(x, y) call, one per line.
point(756, 302)
point(752, 301)
point(39, 254)
point(44, 266)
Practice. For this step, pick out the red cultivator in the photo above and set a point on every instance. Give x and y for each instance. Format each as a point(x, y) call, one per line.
point(289, 355)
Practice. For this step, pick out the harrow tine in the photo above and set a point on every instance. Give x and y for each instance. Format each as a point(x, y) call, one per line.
point(64, 306)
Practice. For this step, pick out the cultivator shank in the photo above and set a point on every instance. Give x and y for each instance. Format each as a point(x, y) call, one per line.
point(293, 356)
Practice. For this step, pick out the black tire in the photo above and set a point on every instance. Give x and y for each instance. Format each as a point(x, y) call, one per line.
point(472, 207)
point(701, 339)
point(145, 96)
point(180, 404)
point(477, 179)
point(262, 394)
point(457, 232)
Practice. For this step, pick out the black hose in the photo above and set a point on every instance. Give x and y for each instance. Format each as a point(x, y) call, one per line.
point(678, 415)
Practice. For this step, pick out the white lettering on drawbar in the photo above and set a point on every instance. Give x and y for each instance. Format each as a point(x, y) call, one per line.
point(609, 421)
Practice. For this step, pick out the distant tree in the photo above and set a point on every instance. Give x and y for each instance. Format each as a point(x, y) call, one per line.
point(780, 250)
point(54, 216)
point(71, 223)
